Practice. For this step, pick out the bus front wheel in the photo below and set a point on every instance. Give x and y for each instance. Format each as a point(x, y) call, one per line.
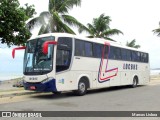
point(82, 88)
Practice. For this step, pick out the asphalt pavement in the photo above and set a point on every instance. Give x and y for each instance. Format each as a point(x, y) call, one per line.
point(142, 98)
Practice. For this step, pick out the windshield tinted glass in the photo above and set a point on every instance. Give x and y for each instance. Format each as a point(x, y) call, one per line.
point(35, 61)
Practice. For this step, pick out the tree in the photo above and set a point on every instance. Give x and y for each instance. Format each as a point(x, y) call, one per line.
point(12, 22)
point(100, 28)
point(28, 10)
point(132, 44)
point(57, 19)
point(157, 31)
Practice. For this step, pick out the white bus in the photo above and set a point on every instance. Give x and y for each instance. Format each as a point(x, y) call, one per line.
point(57, 62)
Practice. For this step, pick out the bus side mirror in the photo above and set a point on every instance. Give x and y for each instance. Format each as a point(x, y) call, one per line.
point(45, 46)
point(18, 48)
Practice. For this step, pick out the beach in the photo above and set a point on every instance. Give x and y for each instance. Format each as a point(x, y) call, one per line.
point(8, 84)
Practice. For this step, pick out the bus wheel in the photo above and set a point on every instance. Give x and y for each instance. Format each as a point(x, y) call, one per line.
point(135, 82)
point(82, 88)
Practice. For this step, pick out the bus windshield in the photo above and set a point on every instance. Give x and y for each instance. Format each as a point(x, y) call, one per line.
point(35, 61)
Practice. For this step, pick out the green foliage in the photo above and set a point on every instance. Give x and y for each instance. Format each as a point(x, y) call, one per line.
point(133, 44)
point(58, 18)
point(28, 10)
point(12, 22)
point(100, 28)
point(157, 31)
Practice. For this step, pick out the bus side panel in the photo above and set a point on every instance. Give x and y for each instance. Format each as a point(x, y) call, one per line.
point(115, 80)
point(144, 74)
point(85, 66)
point(65, 81)
point(81, 67)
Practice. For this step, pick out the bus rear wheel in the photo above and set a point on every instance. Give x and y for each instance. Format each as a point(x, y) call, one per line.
point(135, 82)
point(82, 88)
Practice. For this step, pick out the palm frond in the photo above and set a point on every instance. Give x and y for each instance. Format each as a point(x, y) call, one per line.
point(92, 29)
point(42, 30)
point(67, 5)
point(37, 20)
point(74, 22)
point(57, 20)
point(30, 23)
point(90, 36)
point(137, 46)
point(111, 32)
point(109, 39)
point(61, 27)
point(157, 31)
point(101, 23)
point(51, 5)
point(132, 44)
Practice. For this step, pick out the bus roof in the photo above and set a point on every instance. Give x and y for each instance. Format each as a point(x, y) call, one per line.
point(95, 40)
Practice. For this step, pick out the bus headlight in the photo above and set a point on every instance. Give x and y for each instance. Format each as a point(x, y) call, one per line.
point(47, 80)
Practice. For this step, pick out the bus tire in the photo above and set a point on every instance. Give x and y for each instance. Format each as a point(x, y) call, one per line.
point(135, 82)
point(82, 88)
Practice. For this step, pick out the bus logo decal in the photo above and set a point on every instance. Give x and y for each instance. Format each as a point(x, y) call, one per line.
point(104, 73)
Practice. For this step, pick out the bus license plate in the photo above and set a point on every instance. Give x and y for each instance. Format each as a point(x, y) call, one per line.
point(32, 87)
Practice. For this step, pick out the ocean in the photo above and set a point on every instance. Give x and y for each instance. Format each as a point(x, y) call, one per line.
point(9, 76)
point(154, 72)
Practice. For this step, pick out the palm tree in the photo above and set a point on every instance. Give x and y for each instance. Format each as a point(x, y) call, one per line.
point(100, 28)
point(157, 31)
point(57, 19)
point(132, 44)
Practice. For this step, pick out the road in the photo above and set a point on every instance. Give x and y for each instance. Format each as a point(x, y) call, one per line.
point(142, 98)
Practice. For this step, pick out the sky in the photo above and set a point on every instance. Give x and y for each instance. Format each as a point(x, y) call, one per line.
point(135, 18)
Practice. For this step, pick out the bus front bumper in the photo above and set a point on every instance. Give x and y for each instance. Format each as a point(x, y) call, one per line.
point(49, 86)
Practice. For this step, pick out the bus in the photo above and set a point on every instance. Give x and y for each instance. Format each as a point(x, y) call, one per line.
point(57, 62)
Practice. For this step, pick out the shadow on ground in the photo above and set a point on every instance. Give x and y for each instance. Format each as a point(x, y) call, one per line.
point(89, 92)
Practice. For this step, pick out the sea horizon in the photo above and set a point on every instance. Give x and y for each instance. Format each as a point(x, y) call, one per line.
point(9, 76)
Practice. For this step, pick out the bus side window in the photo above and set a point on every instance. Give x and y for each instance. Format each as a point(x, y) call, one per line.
point(138, 57)
point(88, 49)
point(79, 48)
point(134, 57)
point(111, 54)
point(147, 56)
point(97, 50)
point(115, 53)
point(64, 54)
point(124, 54)
point(118, 53)
point(129, 55)
point(144, 57)
point(106, 53)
